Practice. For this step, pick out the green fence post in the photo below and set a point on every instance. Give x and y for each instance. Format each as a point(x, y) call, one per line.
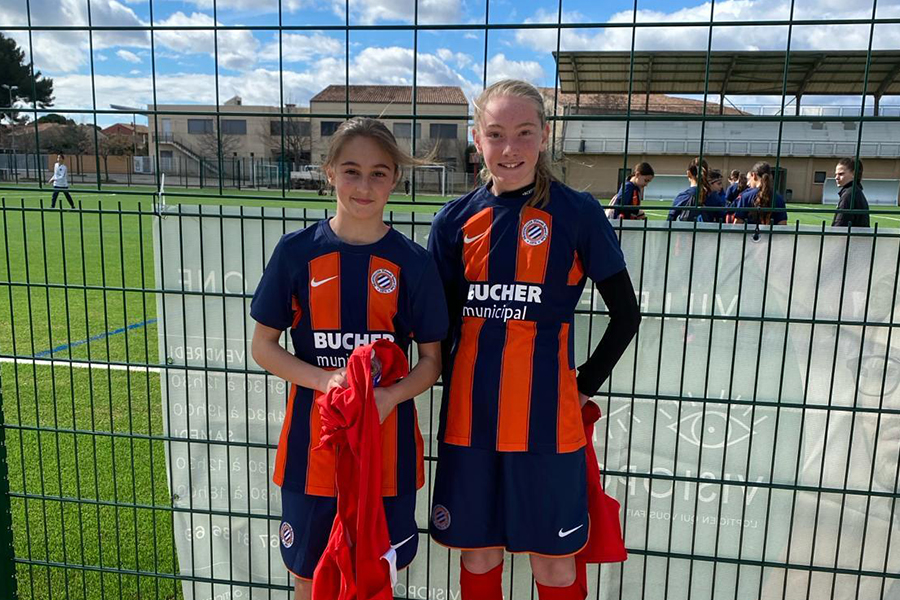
point(7, 555)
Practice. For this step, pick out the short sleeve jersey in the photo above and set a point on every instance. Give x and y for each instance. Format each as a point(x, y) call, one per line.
point(746, 201)
point(333, 297)
point(513, 276)
point(629, 196)
point(682, 206)
point(732, 194)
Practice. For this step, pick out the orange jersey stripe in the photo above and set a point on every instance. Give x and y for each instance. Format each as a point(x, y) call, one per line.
point(384, 289)
point(514, 410)
point(325, 291)
point(477, 244)
point(320, 466)
point(569, 427)
point(389, 455)
point(459, 414)
point(576, 272)
point(281, 453)
point(534, 245)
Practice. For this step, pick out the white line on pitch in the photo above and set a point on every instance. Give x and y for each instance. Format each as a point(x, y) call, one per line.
point(78, 365)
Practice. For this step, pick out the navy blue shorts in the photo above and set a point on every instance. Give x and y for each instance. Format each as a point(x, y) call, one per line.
point(306, 523)
point(520, 501)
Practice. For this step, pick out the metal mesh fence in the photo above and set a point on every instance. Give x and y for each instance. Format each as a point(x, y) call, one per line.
point(750, 432)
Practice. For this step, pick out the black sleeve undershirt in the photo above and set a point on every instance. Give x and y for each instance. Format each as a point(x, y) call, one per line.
point(624, 319)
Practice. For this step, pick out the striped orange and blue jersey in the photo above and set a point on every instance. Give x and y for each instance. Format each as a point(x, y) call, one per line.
point(334, 297)
point(513, 276)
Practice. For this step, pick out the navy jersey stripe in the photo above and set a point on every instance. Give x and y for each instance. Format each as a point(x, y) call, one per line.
point(406, 449)
point(544, 390)
point(486, 385)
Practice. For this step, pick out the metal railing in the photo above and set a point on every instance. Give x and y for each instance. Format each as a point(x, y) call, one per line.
point(750, 432)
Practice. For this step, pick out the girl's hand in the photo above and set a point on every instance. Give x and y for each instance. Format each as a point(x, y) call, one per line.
point(333, 379)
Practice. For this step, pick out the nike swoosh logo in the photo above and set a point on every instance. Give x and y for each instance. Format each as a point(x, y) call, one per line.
point(395, 546)
point(563, 534)
point(469, 240)
point(316, 284)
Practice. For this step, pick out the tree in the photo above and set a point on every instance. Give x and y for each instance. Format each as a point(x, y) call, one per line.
point(16, 73)
point(297, 139)
point(209, 144)
point(114, 145)
point(54, 118)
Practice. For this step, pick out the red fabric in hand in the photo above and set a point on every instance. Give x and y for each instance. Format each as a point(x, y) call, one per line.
point(605, 543)
point(351, 567)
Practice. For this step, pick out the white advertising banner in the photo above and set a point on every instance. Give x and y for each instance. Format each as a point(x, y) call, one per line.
point(751, 432)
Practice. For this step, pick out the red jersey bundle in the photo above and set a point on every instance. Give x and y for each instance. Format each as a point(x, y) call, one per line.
point(605, 543)
point(351, 567)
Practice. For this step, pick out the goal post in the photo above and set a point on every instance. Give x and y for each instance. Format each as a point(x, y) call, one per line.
point(441, 171)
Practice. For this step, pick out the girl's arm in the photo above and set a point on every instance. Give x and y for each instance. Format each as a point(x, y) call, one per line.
point(422, 377)
point(624, 318)
point(272, 357)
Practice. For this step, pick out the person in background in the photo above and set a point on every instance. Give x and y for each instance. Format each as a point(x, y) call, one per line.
point(628, 199)
point(684, 207)
point(716, 198)
point(848, 176)
point(737, 184)
point(60, 181)
point(761, 194)
point(733, 192)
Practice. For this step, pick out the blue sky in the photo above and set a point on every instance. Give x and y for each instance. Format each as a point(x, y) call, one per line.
point(248, 60)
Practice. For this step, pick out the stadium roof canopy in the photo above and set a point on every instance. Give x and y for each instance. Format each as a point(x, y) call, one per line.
point(839, 73)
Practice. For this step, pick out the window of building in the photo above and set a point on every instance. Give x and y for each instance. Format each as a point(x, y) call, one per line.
point(300, 128)
point(234, 127)
point(820, 177)
point(200, 126)
point(444, 131)
point(402, 130)
point(329, 127)
point(818, 125)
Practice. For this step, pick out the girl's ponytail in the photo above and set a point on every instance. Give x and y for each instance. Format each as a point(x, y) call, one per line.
point(765, 198)
point(698, 170)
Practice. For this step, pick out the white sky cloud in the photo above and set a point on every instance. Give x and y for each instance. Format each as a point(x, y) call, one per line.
point(236, 49)
point(68, 51)
point(254, 6)
point(301, 48)
point(64, 56)
point(129, 56)
point(373, 11)
point(819, 37)
point(500, 67)
point(260, 86)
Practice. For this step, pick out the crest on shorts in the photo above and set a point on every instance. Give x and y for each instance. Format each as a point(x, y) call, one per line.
point(535, 232)
point(287, 534)
point(440, 516)
point(384, 281)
